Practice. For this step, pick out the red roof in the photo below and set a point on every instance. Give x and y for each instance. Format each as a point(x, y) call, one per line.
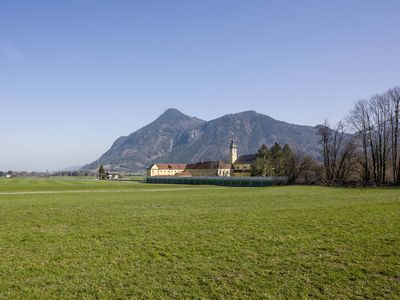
point(167, 166)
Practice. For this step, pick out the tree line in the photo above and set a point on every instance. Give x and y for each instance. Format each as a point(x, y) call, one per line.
point(363, 148)
point(376, 124)
point(278, 161)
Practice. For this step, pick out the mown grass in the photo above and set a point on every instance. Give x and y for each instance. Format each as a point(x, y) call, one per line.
point(70, 183)
point(279, 242)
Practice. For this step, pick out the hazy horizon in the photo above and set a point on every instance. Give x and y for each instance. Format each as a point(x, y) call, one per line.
point(76, 75)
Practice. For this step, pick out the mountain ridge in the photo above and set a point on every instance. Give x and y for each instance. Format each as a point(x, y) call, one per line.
point(178, 138)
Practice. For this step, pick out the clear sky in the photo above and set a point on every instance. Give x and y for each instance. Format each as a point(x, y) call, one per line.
point(77, 74)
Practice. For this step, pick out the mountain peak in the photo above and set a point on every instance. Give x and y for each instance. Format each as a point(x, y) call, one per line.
point(172, 115)
point(173, 112)
point(176, 137)
point(247, 113)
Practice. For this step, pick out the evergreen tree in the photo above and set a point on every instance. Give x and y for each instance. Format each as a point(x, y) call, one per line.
point(276, 161)
point(263, 152)
point(257, 167)
point(262, 165)
point(102, 173)
point(287, 161)
point(276, 156)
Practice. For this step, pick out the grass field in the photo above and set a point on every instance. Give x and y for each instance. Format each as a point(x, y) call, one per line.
point(90, 239)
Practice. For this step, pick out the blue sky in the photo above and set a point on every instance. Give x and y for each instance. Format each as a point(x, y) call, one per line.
point(75, 75)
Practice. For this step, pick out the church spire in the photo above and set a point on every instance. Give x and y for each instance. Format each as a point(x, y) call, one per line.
point(233, 149)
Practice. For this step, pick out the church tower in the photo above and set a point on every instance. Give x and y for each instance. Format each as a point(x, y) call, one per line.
point(233, 149)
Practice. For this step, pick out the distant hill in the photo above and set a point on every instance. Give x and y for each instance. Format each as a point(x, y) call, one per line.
point(176, 137)
point(69, 169)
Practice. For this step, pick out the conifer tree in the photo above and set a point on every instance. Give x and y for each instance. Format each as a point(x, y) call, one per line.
point(102, 173)
point(276, 156)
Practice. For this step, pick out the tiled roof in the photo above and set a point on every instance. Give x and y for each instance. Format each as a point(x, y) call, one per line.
point(208, 165)
point(245, 159)
point(223, 165)
point(167, 166)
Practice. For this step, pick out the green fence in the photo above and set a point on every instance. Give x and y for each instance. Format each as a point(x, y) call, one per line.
point(223, 181)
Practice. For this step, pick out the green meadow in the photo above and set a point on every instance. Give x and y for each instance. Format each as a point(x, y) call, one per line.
point(69, 238)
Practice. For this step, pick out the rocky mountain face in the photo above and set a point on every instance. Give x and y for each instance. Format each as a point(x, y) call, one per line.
point(177, 138)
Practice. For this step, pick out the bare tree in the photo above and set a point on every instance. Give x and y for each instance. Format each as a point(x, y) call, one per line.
point(393, 99)
point(376, 122)
point(346, 160)
point(294, 163)
point(325, 133)
point(301, 164)
point(360, 121)
point(338, 151)
point(379, 136)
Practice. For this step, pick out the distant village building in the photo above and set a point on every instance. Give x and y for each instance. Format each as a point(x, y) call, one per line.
point(165, 169)
point(209, 168)
point(238, 166)
point(242, 166)
point(10, 174)
point(113, 175)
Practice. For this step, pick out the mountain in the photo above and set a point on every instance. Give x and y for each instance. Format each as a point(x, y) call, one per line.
point(151, 143)
point(176, 137)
